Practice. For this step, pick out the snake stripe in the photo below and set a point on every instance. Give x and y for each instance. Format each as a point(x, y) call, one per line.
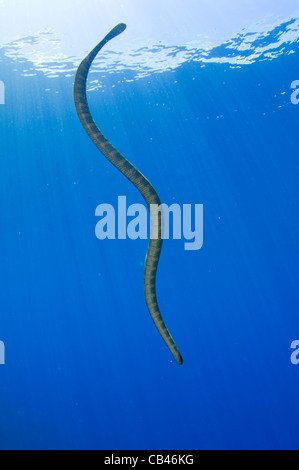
point(140, 182)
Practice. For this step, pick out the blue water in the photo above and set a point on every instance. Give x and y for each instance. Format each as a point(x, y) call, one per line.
point(85, 367)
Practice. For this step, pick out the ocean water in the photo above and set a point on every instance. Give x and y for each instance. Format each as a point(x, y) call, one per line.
point(85, 367)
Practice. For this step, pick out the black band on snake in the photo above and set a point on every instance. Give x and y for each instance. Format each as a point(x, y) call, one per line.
point(139, 181)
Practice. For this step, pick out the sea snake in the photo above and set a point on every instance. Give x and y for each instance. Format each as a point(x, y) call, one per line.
point(139, 181)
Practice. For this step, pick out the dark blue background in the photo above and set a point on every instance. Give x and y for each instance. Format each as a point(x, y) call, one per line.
point(85, 367)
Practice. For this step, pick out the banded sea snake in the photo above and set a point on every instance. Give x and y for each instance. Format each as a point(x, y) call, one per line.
point(139, 181)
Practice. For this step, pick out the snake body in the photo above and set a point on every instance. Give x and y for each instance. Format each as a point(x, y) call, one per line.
point(139, 181)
